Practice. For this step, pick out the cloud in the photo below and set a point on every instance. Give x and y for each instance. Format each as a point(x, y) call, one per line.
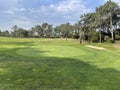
point(19, 9)
point(67, 6)
point(27, 13)
point(62, 12)
point(22, 21)
point(72, 6)
point(10, 6)
point(7, 12)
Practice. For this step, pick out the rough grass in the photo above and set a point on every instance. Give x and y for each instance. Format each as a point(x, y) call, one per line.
point(46, 64)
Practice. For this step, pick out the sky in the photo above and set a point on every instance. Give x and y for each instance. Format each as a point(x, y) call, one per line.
point(28, 13)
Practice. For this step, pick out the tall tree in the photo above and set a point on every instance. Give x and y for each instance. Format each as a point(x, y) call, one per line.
point(39, 30)
point(57, 30)
point(15, 28)
point(110, 8)
point(64, 30)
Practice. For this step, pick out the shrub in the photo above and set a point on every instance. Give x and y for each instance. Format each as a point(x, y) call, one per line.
point(76, 36)
point(109, 40)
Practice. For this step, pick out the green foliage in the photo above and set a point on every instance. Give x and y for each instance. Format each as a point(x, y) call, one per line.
point(76, 36)
point(94, 36)
point(64, 30)
point(117, 37)
point(104, 17)
point(5, 33)
point(109, 40)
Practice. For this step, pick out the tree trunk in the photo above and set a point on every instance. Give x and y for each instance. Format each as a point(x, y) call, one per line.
point(80, 41)
point(111, 28)
point(100, 36)
point(112, 35)
point(81, 37)
point(66, 38)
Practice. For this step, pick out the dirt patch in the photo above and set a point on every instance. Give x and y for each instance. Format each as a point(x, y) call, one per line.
point(94, 47)
point(117, 46)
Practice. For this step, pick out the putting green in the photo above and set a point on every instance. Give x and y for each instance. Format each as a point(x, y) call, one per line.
point(51, 51)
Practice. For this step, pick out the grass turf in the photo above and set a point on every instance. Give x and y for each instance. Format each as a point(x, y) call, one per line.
point(46, 64)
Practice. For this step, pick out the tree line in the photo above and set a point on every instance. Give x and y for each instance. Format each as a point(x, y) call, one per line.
point(103, 25)
point(41, 31)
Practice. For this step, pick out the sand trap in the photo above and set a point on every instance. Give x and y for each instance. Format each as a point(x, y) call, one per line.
point(94, 47)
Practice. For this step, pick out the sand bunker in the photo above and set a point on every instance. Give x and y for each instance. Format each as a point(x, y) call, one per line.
point(94, 47)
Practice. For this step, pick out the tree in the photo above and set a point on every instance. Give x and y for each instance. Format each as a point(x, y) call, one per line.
point(76, 30)
point(0, 32)
point(98, 21)
point(15, 27)
point(64, 30)
point(31, 33)
point(49, 31)
point(57, 30)
point(109, 8)
point(39, 30)
point(5, 33)
point(45, 28)
point(85, 26)
point(19, 32)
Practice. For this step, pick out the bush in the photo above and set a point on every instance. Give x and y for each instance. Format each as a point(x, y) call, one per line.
point(76, 36)
point(117, 37)
point(109, 40)
point(94, 37)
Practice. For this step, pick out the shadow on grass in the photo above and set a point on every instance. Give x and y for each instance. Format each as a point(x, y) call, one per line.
point(47, 73)
point(17, 43)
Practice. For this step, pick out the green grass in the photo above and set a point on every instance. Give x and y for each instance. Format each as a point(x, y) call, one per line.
point(46, 64)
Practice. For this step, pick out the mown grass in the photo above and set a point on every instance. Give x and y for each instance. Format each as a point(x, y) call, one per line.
point(54, 64)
